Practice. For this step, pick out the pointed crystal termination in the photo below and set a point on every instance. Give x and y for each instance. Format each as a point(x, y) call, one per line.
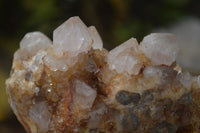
point(83, 96)
point(124, 58)
point(72, 37)
point(40, 114)
point(31, 43)
point(76, 86)
point(35, 41)
point(160, 48)
point(97, 42)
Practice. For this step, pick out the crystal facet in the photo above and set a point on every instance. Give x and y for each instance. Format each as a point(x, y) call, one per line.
point(35, 41)
point(97, 42)
point(124, 58)
point(160, 48)
point(72, 36)
point(84, 95)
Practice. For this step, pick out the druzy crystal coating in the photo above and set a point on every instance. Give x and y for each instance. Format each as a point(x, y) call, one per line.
point(73, 85)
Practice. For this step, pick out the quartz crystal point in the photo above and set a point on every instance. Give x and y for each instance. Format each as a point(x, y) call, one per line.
point(97, 42)
point(35, 41)
point(160, 48)
point(124, 58)
point(74, 85)
point(72, 37)
point(31, 44)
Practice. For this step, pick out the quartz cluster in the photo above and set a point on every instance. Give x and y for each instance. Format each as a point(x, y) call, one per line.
point(73, 85)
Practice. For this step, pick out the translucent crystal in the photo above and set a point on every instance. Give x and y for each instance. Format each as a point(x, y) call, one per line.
point(72, 36)
point(55, 64)
point(30, 44)
point(151, 71)
point(35, 41)
point(160, 48)
point(124, 58)
point(84, 95)
point(186, 79)
point(97, 42)
point(40, 114)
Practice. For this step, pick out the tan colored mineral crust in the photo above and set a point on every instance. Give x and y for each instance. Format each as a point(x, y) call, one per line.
point(74, 85)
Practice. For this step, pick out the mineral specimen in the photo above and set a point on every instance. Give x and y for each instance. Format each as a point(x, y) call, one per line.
point(74, 85)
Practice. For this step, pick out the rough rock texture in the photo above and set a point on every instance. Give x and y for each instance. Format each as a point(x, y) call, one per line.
point(74, 85)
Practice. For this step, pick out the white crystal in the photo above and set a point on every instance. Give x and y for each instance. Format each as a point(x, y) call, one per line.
point(97, 42)
point(35, 41)
point(84, 95)
point(61, 64)
point(55, 64)
point(124, 58)
point(22, 54)
point(152, 71)
point(160, 48)
point(40, 114)
point(71, 37)
point(186, 79)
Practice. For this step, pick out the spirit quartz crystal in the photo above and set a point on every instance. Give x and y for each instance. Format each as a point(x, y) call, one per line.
point(74, 85)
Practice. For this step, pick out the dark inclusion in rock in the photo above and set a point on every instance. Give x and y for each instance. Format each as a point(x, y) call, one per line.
point(185, 99)
point(147, 97)
point(125, 97)
point(129, 121)
point(28, 75)
point(164, 127)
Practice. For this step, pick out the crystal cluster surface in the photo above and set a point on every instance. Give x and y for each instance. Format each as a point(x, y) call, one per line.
point(73, 85)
